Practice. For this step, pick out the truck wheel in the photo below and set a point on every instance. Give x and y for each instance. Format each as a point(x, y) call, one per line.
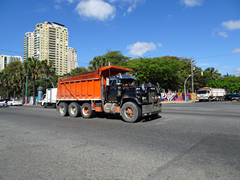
point(54, 105)
point(130, 112)
point(209, 99)
point(74, 109)
point(45, 105)
point(63, 109)
point(86, 110)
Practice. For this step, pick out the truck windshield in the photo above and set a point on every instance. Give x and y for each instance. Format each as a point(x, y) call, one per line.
point(126, 82)
point(202, 92)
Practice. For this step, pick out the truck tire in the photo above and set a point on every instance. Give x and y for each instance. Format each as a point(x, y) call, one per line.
point(130, 112)
point(74, 109)
point(209, 99)
point(63, 109)
point(45, 105)
point(54, 105)
point(86, 110)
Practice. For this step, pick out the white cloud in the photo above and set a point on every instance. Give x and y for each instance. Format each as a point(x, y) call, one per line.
point(60, 1)
point(131, 4)
point(236, 51)
point(169, 16)
point(223, 34)
point(58, 7)
point(237, 71)
point(130, 9)
point(231, 25)
point(96, 9)
point(191, 3)
point(139, 48)
point(160, 45)
point(40, 8)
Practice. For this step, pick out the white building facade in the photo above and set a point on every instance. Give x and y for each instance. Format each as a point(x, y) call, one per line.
point(28, 46)
point(72, 59)
point(51, 43)
point(5, 59)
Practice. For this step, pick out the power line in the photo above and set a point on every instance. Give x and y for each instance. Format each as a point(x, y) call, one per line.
point(217, 56)
point(22, 53)
point(11, 51)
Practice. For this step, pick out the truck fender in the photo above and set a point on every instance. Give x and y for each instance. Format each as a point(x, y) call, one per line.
point(129, 98)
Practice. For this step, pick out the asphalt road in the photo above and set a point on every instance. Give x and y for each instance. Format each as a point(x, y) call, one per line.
point(186, 141)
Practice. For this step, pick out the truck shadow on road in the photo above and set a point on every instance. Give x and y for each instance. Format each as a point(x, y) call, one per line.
point(118, 117)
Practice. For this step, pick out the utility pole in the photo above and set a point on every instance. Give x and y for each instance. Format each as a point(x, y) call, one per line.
point(185, 94)
point(26, 90)
point(192, 80)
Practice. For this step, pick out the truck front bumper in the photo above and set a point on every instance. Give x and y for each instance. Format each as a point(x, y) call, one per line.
point(151, 109)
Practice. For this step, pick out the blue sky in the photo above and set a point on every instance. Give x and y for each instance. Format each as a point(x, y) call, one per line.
point(206, 30)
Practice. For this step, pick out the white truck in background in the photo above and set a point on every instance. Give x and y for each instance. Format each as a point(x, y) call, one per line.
point(210, 94)
point(49, 99)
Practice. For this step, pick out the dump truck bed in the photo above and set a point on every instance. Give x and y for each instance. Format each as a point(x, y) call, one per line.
point(86, 86)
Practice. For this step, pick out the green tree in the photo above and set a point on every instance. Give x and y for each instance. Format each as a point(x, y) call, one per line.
point(96, 63)
point(162, 70)
point(212, 74)
point(7, 82)
point(11, 80)
point(78, 70)
point(12, 67)
point(47, 70)
point(33, 66)
point(21, 73)
point(15, 83)
point(115, 58)
point(1, 83)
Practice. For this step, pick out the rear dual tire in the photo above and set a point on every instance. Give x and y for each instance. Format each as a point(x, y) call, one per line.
point(63, 109)
point(74, 109)
point(86, 110)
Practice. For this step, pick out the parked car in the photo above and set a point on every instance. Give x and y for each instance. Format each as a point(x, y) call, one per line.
point(229, 96)
point(3, 102)
point(235, 97)
point(14, 102)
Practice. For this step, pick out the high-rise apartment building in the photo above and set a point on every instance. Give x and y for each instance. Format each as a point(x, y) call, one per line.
point(4, 60)
point(72, 59)
point(28, 46)
point(51, 43)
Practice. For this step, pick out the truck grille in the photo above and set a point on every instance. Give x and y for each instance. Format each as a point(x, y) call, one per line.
point(150, 95)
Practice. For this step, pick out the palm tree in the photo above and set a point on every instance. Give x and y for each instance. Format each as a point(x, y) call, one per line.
point(97, 62)
point(213, 74)
point(47, 70)
point(15, 83)
point(22, 75)
point(7, 82)
point(33, 72)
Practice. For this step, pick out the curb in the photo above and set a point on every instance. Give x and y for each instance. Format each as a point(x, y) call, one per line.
point(178, 102)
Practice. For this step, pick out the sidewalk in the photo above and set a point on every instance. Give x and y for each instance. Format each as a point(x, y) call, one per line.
point(177, 102)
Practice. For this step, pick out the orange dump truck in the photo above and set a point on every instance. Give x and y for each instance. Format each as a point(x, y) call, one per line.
point(106, 90)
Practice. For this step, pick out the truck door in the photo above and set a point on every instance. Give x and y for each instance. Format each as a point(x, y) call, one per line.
point(112, 91)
